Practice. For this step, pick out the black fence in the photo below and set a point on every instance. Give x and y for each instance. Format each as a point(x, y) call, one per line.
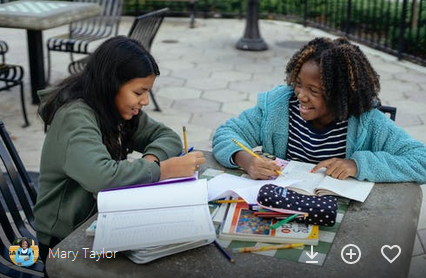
point(397, 27)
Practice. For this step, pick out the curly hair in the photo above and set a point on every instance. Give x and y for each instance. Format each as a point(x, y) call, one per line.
point(28, 243)
point(349, 82)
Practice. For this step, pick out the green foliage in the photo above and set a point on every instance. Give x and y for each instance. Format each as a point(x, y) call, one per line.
point(377, 21)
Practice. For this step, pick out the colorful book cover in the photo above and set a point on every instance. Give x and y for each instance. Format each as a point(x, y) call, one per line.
point(242, 224)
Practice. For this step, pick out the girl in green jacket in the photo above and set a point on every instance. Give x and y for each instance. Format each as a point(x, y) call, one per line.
point(94, 120)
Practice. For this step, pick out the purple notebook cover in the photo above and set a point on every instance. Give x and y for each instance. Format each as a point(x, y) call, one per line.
point(152, 184)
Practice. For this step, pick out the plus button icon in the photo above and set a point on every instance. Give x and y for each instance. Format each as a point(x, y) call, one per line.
point(351, 254)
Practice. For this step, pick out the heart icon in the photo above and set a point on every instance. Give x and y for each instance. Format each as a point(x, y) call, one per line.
point(391, 247)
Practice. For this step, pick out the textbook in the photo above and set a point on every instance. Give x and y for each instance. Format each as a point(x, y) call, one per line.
point(242, 224)
point(153, 217)
point(146, 255)
point(320, 184)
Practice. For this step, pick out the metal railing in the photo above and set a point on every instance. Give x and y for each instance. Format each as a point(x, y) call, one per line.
point(397, 27)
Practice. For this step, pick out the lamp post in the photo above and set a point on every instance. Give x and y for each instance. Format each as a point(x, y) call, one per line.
point(251, 40)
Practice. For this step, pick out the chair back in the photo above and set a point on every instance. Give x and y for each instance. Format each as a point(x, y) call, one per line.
point(388, 110)
point(104, 25)
point(145, 27)
point(17, 198)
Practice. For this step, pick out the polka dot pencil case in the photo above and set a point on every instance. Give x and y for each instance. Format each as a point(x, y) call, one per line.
point(321, 210)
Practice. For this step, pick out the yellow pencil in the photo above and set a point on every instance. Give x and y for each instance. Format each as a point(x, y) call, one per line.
point(227, 201)
point(185, 141)
point(266, 248)
point(251, 152)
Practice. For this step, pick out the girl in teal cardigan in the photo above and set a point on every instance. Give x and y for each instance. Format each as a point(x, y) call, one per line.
point(331, 81)
point(24, 255)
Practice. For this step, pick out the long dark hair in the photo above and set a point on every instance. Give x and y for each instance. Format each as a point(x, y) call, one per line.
point(115, 62)
point(350, 83)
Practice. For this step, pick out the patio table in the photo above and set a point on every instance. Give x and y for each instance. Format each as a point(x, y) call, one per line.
point(36, 16)
point(388, 217)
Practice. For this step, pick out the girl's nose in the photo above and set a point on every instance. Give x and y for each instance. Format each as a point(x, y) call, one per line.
point(144, 101)
point(302, 94)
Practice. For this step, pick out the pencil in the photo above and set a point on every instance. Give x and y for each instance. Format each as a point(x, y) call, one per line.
point(223, 251)
point(227, 201)
point(266, 248)
point(185, 141)
point(284, 221)
point(251, 152)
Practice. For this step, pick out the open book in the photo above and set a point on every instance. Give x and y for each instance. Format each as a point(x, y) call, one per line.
point(147, 217)
point(320, 184)
point(242, 224)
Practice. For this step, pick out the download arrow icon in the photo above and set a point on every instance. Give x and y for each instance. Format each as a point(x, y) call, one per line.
point(311, 256)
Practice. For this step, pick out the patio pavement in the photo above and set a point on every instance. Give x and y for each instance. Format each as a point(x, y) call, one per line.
point(205, 80)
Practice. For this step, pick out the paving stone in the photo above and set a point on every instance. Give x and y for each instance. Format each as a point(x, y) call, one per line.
point(231, 75)
point(418, 267)
point(207, 83)
point(225, 95)
point(169, 81)
point(236, 107)
point(178, 93)
point(210, 119)
point(418, 247)
point(196, 105)
point(422, 236)
point(251, 86)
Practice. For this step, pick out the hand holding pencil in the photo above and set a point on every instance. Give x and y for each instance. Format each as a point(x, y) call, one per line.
point(256, 166)
point(182, 166)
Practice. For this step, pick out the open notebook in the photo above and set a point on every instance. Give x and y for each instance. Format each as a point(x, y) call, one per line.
point(320, 184)
point(141, 217)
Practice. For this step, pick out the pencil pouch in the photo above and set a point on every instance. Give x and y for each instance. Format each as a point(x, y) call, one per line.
point(321, 210)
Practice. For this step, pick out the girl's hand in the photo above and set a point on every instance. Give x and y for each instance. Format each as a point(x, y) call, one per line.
point(262, 169)
point(183, 166)
point(338, 168)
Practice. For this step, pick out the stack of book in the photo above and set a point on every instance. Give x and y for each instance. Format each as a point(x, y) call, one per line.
point(152, 221)
point(243, 223)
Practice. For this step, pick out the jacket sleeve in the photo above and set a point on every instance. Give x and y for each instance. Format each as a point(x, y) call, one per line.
point(88, 162)
point(246, 129)
point(391, 154)
point(17, 258)
point(155, 138)
point(31, 258)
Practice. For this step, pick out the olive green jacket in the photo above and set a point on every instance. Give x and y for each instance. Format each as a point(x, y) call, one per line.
point(76, 165)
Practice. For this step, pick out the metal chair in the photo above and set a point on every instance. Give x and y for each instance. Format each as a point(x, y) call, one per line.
point(17, 197)
point(82, 33)
point(388, 110)
point(144, 29)
point(11, 76)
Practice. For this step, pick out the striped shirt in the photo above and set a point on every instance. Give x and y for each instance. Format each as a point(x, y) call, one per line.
point(307, 144)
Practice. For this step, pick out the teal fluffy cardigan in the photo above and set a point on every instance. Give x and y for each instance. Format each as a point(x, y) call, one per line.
point(383, 152)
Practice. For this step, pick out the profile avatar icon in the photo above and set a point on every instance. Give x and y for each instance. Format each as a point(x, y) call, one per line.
point(23, 253)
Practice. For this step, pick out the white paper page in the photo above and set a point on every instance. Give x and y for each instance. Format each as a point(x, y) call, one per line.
point(301, 172)
point(349, 188)
point(165, 195)
point(225, 185)
point(132, 230)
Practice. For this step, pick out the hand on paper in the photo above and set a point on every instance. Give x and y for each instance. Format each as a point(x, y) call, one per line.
point(183, 166)
point(338, 168)
point(262, 169)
